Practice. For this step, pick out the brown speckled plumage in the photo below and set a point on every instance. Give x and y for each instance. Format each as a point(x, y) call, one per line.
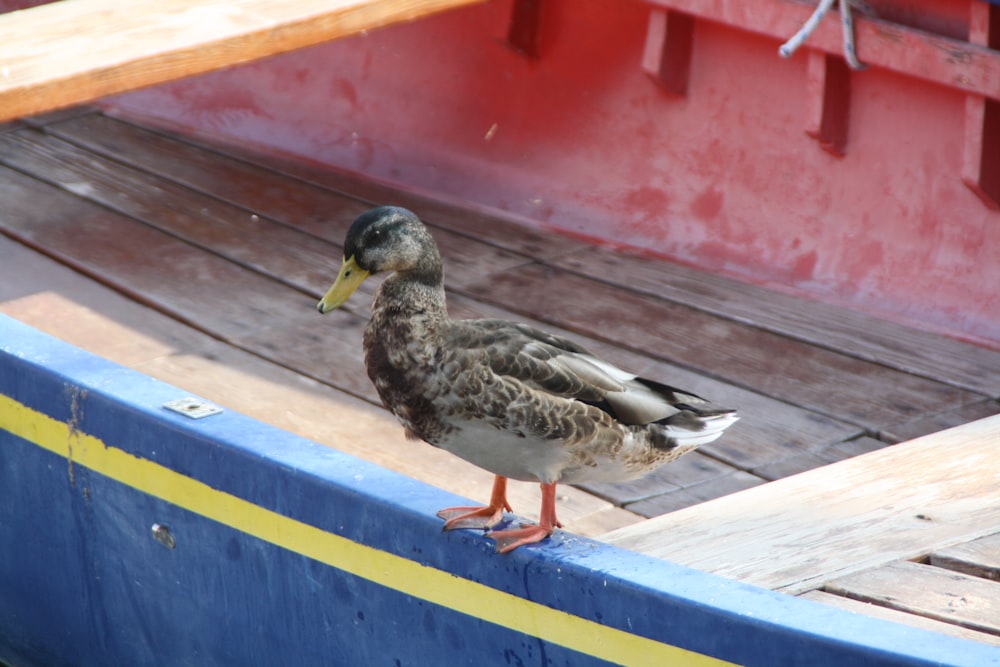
point(514, 400)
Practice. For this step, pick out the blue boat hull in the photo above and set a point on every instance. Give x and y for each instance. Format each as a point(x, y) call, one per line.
point(133, 535)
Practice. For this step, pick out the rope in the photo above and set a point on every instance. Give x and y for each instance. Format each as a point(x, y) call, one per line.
point(846, 21)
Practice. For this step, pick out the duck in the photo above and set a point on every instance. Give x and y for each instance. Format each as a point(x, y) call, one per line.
point(507, 397)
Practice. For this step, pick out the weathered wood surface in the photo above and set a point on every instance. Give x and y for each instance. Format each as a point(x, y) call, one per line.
point(71, 52)
point(938, 421)
point(953, 597)
point(238, 246)
point(888, 614)
point(190, 162)
point(844, 331)
point(979, 558)
point(800, 532)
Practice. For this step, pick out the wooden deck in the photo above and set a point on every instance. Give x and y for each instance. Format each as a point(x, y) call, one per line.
point(910, 533)
point(200, 265)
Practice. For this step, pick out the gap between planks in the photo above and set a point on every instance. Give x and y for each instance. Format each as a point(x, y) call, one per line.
point(925, 590)
point(905, 618)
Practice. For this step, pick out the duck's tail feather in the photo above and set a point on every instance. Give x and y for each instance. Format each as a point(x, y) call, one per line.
point(696, 427)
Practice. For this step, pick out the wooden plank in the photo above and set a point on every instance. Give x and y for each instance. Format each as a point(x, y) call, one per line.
point(248, 179)
point(65, 53)
point(940, 420)
point(978, 558)
point(694, 494)
point(793, 465)
point(247, 186)
point(888, 614)
point(196, 287)
point(254, 198)
point(244, 237)
point(326, 350)
point(804, 461)
point(820, 380)
point(836, 328)
point(291, 254)
point(799, 532)
point(970, 602)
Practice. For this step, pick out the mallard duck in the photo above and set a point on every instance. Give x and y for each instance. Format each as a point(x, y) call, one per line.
point(518, 402)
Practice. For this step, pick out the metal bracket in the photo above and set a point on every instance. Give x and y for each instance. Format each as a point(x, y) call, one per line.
point(195, 408)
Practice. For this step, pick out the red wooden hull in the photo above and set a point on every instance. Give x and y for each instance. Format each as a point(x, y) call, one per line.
point(724, 176)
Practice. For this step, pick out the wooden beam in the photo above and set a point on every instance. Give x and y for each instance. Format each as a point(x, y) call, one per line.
point(968, 67)
point(666, 56)
point(797, 533)
point(981, 151)
point(524, 33)
point(75, 51)
point(828, 101)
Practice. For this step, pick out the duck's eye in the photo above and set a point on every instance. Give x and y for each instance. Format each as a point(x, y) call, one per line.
point(376, 235)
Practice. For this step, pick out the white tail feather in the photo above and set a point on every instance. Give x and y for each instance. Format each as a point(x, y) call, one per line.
point(713, 427)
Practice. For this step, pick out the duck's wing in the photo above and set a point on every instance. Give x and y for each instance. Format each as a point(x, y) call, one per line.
point(556, 366)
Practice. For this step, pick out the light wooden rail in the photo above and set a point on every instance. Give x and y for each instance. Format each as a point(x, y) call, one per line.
point(798, 533)
point(75, 51)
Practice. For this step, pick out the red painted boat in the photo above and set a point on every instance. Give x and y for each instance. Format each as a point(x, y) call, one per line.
point(668, 128)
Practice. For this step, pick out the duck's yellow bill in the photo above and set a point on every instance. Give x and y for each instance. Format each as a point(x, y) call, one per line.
point(351, 275)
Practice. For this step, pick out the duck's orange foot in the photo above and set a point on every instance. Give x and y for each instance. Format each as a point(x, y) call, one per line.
point(471, 517)
point(508, 540)
point(479, 517)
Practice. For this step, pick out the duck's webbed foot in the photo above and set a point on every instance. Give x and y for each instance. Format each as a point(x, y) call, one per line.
point(512, 538)
point(508, 540)
point(479, 517)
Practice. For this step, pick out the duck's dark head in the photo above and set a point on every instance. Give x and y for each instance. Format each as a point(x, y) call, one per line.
point(387, 238)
